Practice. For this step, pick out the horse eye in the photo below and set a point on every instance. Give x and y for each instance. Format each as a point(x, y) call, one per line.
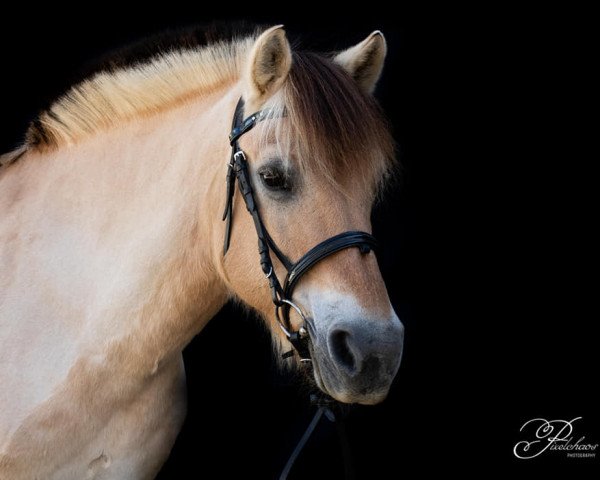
point(274, 179)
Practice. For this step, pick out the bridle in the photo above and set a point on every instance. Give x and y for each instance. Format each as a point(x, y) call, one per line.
point(281, 295)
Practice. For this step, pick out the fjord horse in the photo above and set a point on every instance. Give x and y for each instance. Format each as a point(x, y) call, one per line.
point(111, 244)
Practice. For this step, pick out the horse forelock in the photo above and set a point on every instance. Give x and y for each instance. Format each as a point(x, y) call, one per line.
point(335, 129)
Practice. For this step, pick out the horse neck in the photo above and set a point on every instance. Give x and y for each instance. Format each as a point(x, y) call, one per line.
point(127, 223)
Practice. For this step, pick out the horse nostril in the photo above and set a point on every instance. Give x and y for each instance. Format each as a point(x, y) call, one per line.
point(341, 350)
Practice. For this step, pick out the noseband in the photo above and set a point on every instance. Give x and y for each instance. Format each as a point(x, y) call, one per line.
point(280, 295)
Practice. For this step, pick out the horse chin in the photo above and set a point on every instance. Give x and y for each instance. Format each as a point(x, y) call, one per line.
point(342, 395)
point(322, 385)
point(319, 379)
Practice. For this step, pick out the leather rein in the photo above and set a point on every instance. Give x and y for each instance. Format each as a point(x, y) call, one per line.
point(281, 295)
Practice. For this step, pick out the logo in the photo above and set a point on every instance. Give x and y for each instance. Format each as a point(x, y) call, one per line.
point(552, 437)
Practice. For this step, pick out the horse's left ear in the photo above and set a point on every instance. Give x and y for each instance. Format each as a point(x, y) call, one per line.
point(268, 66)
point(364, 61)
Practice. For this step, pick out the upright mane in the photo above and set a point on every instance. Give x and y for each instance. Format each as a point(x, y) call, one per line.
point(146, 87)
point(334, 123)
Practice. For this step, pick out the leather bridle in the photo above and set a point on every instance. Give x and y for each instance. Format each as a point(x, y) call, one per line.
point(281, 295)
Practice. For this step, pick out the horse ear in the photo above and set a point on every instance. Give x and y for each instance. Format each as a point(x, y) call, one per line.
point(268, 66)
point(364, 61)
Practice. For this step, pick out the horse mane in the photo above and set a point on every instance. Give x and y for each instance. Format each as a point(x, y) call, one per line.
point(335, 125)
point(142, 79)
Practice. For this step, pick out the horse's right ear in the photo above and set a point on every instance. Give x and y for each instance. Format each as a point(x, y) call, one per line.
point(364, 62)
point(268, 66)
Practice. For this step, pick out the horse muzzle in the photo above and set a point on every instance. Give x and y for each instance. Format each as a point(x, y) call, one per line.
point(355, 360)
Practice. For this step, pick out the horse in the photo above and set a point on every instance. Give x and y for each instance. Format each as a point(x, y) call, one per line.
point(112, 254)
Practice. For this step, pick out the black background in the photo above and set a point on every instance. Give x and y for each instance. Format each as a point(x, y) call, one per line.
point(487, 240)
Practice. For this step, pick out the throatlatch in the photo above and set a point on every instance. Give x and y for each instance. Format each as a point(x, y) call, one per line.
point(280, 295)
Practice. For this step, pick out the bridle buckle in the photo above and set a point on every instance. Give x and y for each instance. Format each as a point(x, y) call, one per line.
point(239, 153)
